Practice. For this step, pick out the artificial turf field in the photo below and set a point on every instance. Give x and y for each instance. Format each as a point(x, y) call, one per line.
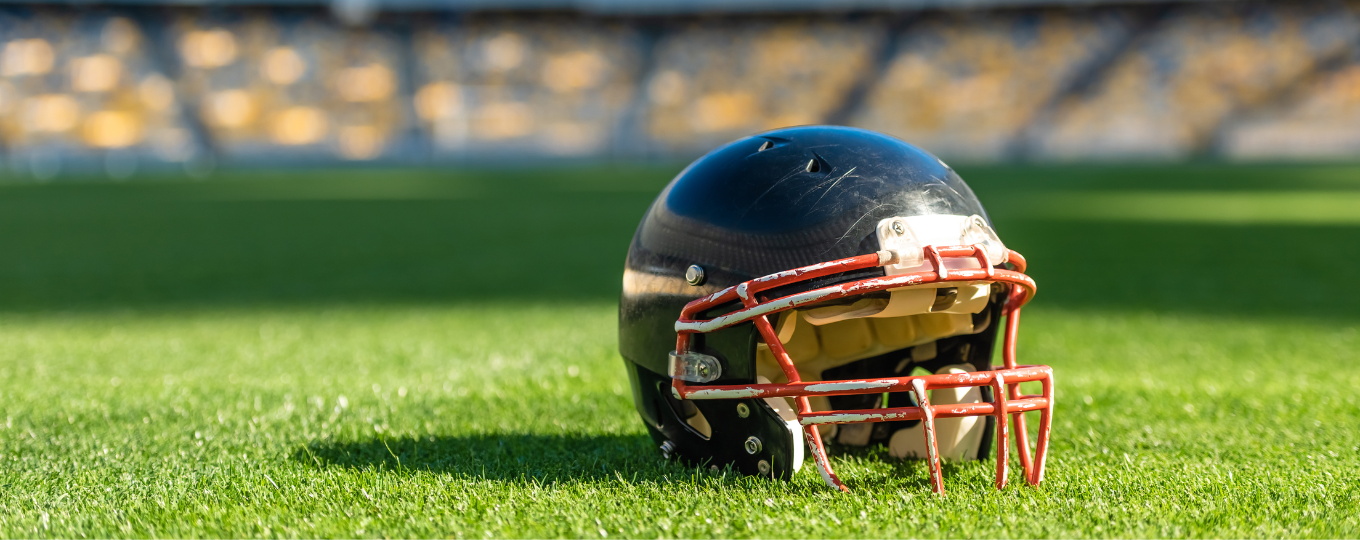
point(391, 353)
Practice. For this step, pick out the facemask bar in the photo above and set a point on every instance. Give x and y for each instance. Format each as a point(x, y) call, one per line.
point(1004, 380)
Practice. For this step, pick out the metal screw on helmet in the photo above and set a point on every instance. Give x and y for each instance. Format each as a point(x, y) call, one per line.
point(667, 449)
point(753, 445)
point(695, 275)
point(743, 411)
point(898, 228)
point(763, 466)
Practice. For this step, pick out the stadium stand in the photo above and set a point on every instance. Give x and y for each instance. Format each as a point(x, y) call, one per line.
point(717, 80)
point(966, 84)
point(115, 89)
point(1321, 121)
point(555, 86)
point(291, 86)
point(1202, 63)
point(81, 85)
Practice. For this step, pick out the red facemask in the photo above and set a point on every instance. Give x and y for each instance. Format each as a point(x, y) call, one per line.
point(1004, 381)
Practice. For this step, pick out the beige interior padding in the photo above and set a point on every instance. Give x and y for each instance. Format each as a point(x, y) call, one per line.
point(971, 298)
point(822, 338)
point(956, 438)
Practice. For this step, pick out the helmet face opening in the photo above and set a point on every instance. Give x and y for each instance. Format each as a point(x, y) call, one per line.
point(768, 307)
point(852, 348)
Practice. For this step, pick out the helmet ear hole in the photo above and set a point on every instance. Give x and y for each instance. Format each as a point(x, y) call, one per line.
point(688, 412)
point(766, 146)
point(813, 166)
point(698, 422)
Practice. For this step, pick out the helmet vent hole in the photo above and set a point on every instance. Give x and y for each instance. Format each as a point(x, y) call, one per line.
point(766, 146)
point(813, 166)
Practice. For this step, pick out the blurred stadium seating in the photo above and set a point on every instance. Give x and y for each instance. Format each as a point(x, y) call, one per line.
point(1319, 119)
point(290, 87)
point(81, 86)
point(714, 81)
point(524, 86)
point(118, 89)
point(1202, 63)
point(965, 84)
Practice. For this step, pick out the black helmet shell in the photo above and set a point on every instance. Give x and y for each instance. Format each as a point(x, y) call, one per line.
point(763, 204)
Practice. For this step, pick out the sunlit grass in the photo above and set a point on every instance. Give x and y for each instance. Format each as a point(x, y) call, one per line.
point(516, 421)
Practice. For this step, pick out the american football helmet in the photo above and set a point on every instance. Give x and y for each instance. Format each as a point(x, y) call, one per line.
point(820, 283)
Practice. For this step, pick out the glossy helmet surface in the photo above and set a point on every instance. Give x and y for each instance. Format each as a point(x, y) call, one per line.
point(804, 272)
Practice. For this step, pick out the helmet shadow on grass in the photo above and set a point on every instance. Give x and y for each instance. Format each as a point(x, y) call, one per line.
point(503, 457)
point(571, 458)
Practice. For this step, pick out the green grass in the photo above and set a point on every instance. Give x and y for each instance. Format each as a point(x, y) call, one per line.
point(364, 354)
